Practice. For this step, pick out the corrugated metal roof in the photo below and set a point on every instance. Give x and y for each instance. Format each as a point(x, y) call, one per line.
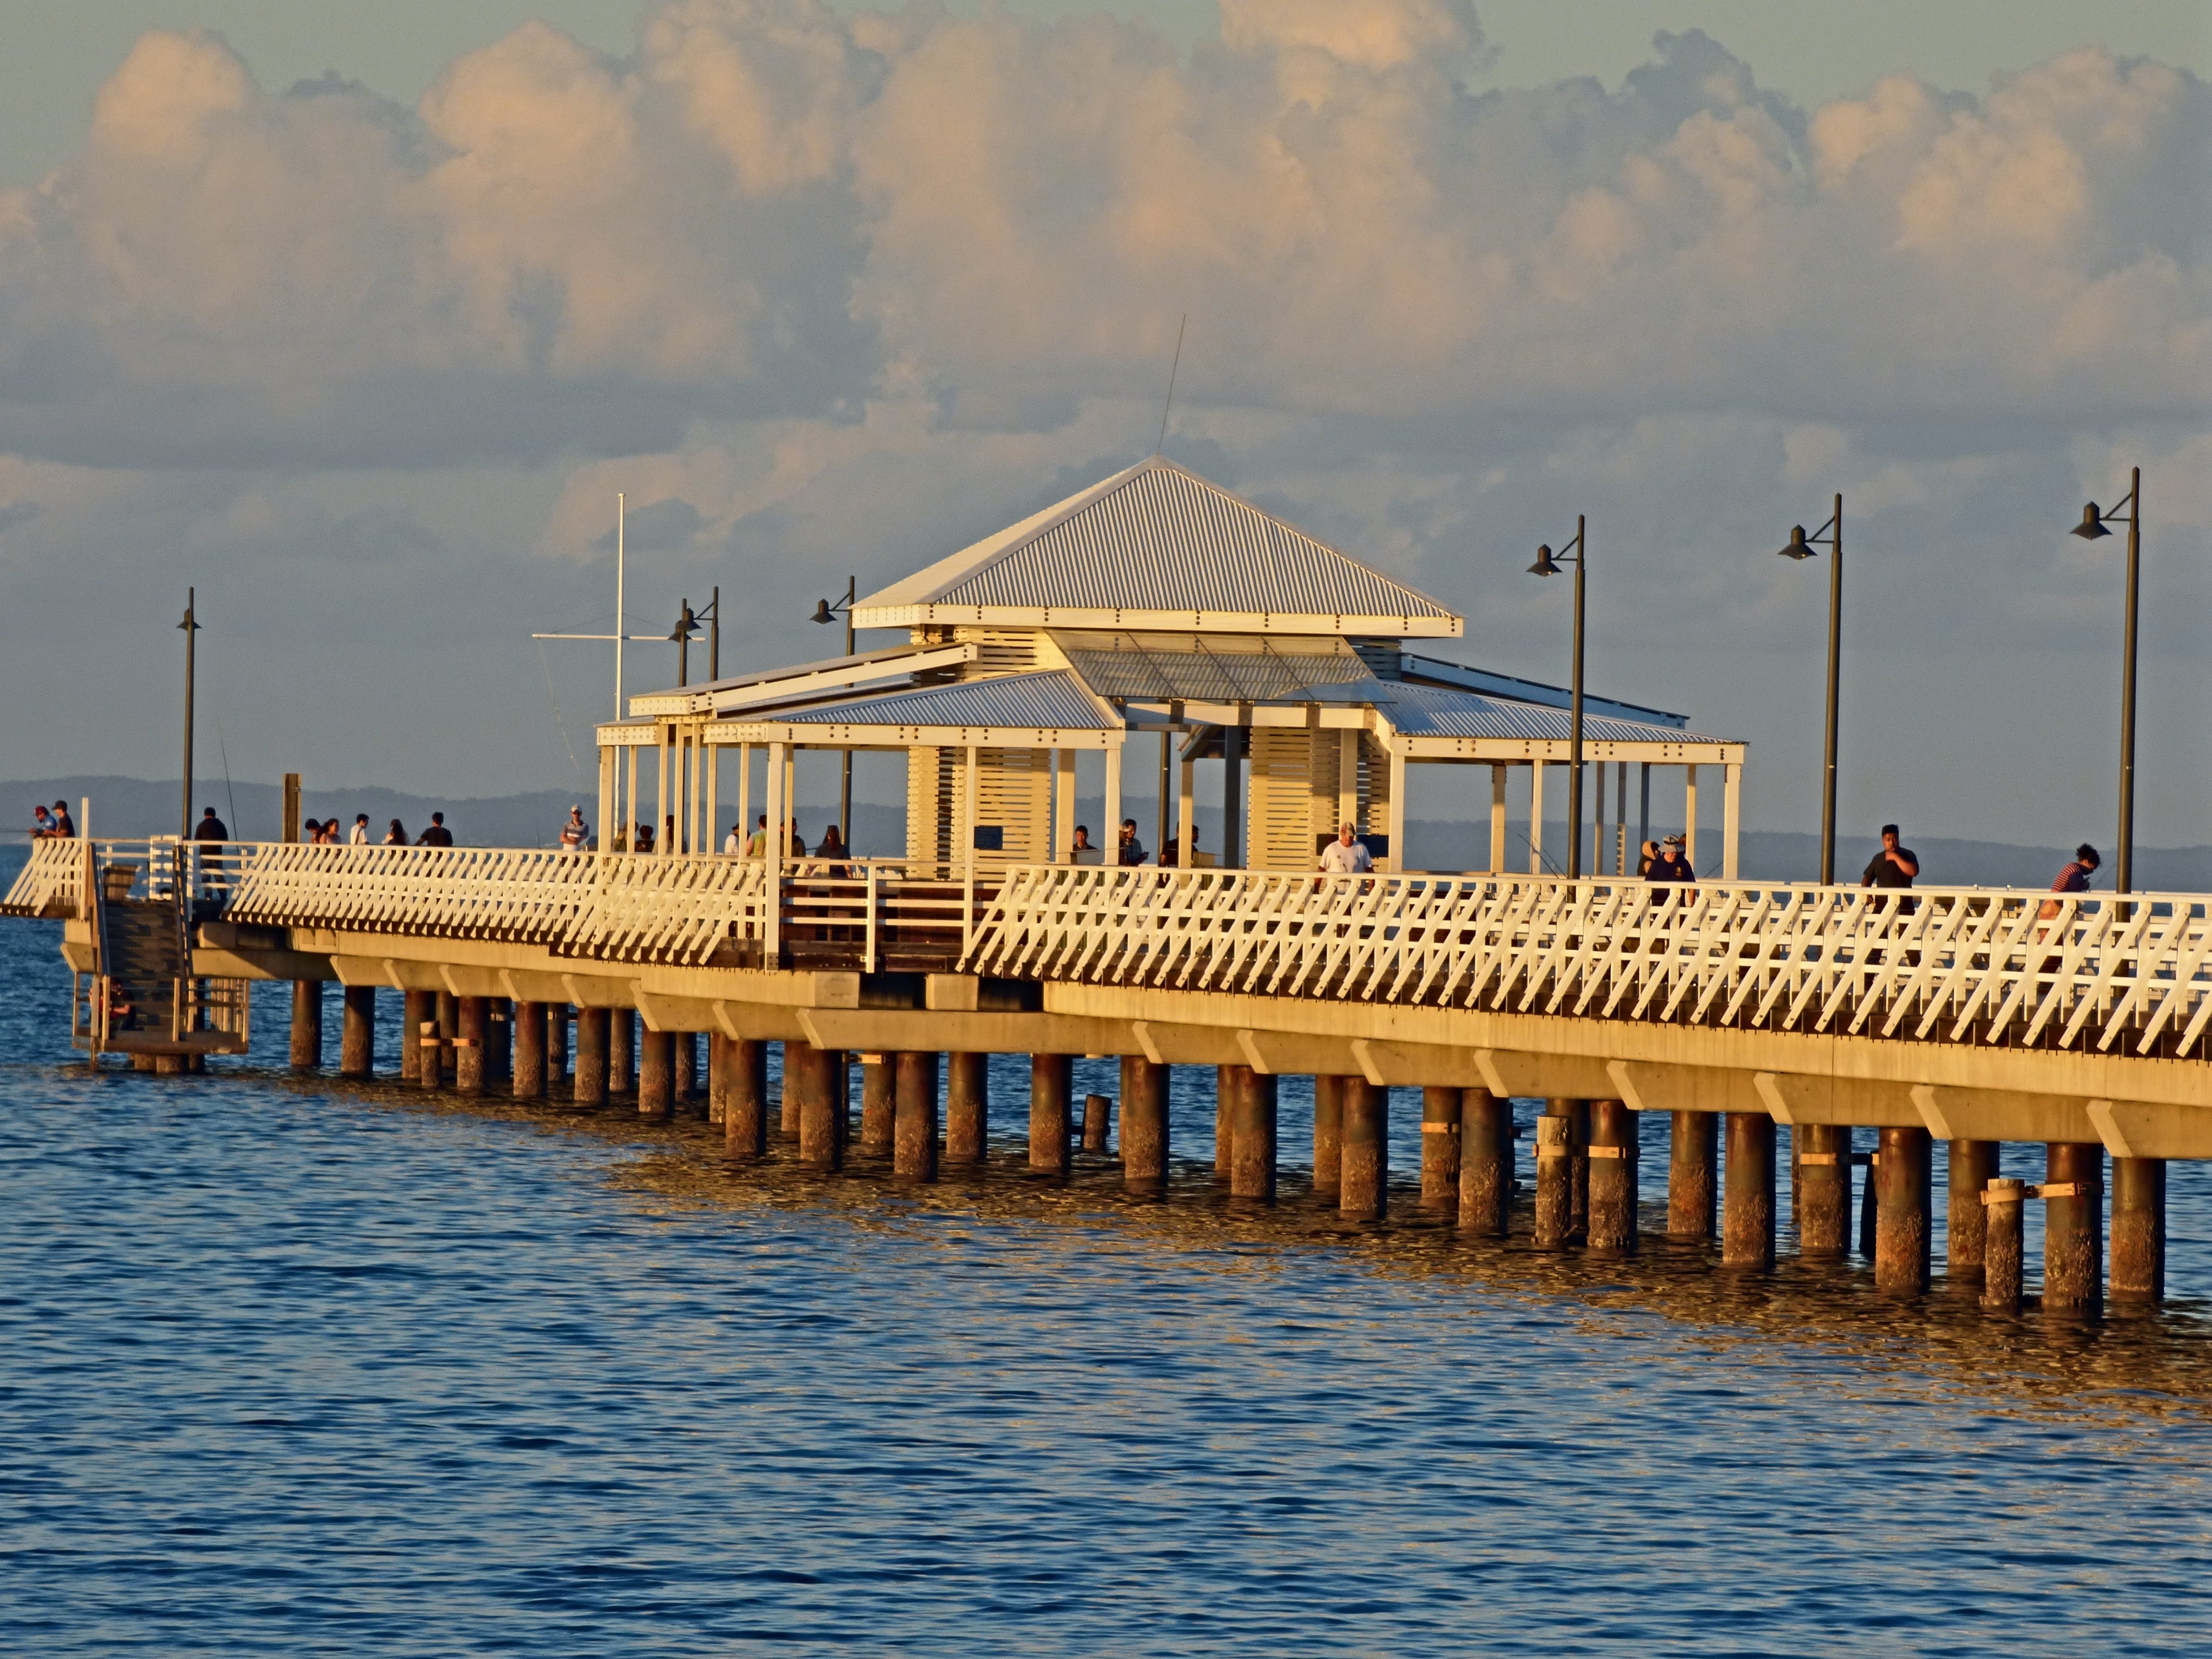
point(1158, 540)
point(1055, 699)
point(1460, 676)
point(1436, 711)
point(1122, 665)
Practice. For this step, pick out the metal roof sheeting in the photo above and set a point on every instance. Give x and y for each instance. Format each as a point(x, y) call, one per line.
point(1124, 668)
point(1157, 539)
point(1055, 699)
point(1434, 711)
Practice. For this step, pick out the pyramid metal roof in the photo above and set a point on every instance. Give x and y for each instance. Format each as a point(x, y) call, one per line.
point(1439, 711)
point(1157, 546)
point(1055, 700)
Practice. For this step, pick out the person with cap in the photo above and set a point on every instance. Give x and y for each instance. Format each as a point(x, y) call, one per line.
point(1673, 863)
point(575, 834)
point(1347, 855)
point(42, 823)
point(1895, 866)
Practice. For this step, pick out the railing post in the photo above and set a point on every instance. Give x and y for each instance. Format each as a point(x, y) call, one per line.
point(868, 955)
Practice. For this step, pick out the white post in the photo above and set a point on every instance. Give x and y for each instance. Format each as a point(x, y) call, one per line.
point(621, 567)
point(744, 794)
point(1536, 819)
point(1620, 835)
point(784, 830)
point(1690, 815)
point(700, 818)
point(774, 937)
point(1347, 779)
point(714, 796)
point(1397, 820)
point(1597, 833)
point(1063, 805)
point(1730, 807)
point(607, 794)
point(1497, 820)
point(1111, 839)
point(1186, 814)
point(660, 748)
point(972, 792)
point(629, 808)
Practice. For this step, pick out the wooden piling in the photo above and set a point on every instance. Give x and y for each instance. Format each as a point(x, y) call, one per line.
point(357, 1037)
point(2073, 1228)
point(1576, 1112)
point(1363, 1187)
point(1555, 1135)
point(1328, 1137)
point(622, 1052)
point(529, 1081)
point(1097, 1121)
point(1748, 1194)
point(1252, 1170)
point(449, 1028)
point(1613, 1194)
point(1051, 1082)
point(558, 1022)
point(499, 1042)
point(1224, 1120)
point(913, 1156)
point(967, 1108)
point(590, 1085)
point(1144, 1123)
point(2002, 1250)
point(1439, 1148)
point(1692, 1172)
point(1870, 1198)
point(469, 1045)
point(307, 1025)
point(1485, 1163)
point(1972, 1165)
point(744, 1115)
point(879, 1103)
point(688, 1089)
point(1901, 1211)
point(1824, 1189)
point(417, 1008)
point(656, 1073)
point(788, 1102)
point(2138, 1229)
point(717, 1078)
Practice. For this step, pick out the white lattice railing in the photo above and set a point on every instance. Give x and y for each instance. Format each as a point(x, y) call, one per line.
point(1941, 965)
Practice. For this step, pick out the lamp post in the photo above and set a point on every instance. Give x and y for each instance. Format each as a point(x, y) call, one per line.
point(1548, 564)
point(2090, 528)
point(686, 629)
point(191, 629)
point(827, 612)
point(1800, 547)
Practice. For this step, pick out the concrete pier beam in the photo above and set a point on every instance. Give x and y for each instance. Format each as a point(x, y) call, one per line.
point(1613, 1192)
point(656, 1074)
point(1555, 1190)
point(913, 1156)
point(1328, 1137)
point(745, 1115)
point(1485, 1163)
point(590, 1086)
point(417, 1008)
point(1439, 1148)
point(307, 1025)
point(469, 1045)
point(2002, 1250)
point(1363, 1187)
point(1972, 1165)
point(357, 1037)
point(622, 1052)
point(1097, 1121)
point(2138, 1229)
point(2073, 1228)
point(1824, 1190)
point(1051, 1082)
point(529, 1083)
point(967, 1108)
point(879, 1103)
point(1747, 1192)
point(1224, 1120)
point(1902, 1178)
point(1252, 1169)
point(1693, 1174)
point(1144, 1123)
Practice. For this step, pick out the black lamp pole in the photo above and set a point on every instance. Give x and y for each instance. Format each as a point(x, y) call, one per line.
point(192, 628)
point(2091, 527)
point(826, 610)
point(1548, 564)
point(1800, 547)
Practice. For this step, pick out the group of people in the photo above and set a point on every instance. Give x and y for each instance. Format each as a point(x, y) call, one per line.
point(57, 825)
point(332, 833)
point(738, 844)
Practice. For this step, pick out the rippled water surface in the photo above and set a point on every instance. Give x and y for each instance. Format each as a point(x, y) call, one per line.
point(297, 1367)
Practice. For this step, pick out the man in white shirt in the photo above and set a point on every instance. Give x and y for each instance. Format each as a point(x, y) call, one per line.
point(575, 833)
point(734, 843)
point(359, 837)
point(1347, 856)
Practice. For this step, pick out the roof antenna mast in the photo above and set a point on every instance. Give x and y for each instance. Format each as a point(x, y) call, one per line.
point(1169, 405)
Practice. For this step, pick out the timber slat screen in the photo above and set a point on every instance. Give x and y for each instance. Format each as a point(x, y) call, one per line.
point(1957, 965)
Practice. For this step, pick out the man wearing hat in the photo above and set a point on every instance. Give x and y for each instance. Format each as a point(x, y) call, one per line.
point(1673, 863)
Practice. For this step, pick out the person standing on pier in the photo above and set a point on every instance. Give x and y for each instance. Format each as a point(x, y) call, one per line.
point(210, 828)
point(1347, 855)
point(65, 826)
point(437, 835)
point(756, 844)
point(1894, 865)
point(359, 837)
point(42, 824)
point(575, 833)
point(397, 835)
point(734, 844)
point(1645, 859)
point(2073, 878)
point(1132, 850)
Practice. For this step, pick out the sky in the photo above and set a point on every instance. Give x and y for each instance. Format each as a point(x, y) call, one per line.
point(356, 319)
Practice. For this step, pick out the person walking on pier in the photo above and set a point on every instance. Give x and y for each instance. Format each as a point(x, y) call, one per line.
point(575, 835)
point(1894, 865)
point(437, 835)
point(65, 826)
point(359, 837)
point(210, 828)
point(2073, 878)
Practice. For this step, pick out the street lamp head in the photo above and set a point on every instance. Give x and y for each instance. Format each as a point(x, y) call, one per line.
point(1798, 548)
point(686, 625)
point(2092, 524)
point(822, 612)
point(1545, 565)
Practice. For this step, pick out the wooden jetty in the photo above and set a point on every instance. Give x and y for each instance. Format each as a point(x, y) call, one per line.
point(1155, 604)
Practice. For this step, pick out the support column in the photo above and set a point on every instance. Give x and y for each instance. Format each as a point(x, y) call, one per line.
point(622, 1051)
point(1972, 1165)
point(529, 1051)
point(1901, 1212)
point(557, 1021)
point(967, 1108)
point(1824, 1190)
point(1576, 1112)
point(1144, 1123)
point(2073, 1228)
point(357, 1038)
point(1051, 1081)
point(794, 1092)
point(307, 1024)
point(2001, 1252)
point(1364, 1189)
point(717, 1078)
point(1252, 1170)
point(1612, 1179)
point(1232, 797)
point(416, 1008)
point(499, 1042)
point(656, 1073)
point(1692, 1166)
point(1328, 1137)
point(687, 1071)
point(915, 1117)
point(2138, 1229)
point(469, 1045)
point(1497, 820)
point(1224, 1120)
point(1097, 1122)
point(1554, 1178)
point(1439, 1148)
point(449, 1027)
point(879, 1103)
point(1747, 1199)
point(1485, 1163)
point(429, 1044)
point(591, 1080)
point(744, 1116)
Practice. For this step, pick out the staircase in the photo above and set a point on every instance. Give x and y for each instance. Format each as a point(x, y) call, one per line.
point(142, 997)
